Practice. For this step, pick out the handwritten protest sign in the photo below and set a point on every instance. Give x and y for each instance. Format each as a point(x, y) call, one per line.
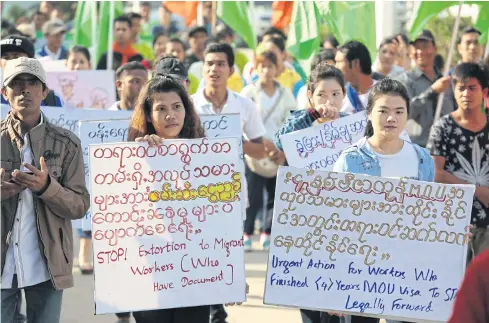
point(97, 132)
point(367, 245)
point(319, 147)
point(221, 125)
point(84, 89)
point(227, 125)
point(166, 224)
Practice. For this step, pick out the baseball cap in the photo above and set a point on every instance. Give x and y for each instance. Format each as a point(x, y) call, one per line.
point(16, 43)
point(53, 27)
point(23, 65)
point(172, 67)
point(195, 30)
point(424, 35)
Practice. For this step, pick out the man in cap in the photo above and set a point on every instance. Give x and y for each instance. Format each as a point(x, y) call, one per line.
point(42, 190)
point(13, 47)
point(424, 84)
point(53, 31)
point(170, 66)
point(197, 38)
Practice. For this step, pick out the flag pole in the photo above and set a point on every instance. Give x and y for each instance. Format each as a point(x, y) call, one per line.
point(486, 51)
point(214, 17)
point(94, 33)
point(447, 62)
point(110, 51)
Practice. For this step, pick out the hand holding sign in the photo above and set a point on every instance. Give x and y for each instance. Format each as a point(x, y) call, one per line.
point(37, 182)
point(152, 140)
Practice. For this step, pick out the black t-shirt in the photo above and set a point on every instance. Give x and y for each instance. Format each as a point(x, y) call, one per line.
point(466, 157)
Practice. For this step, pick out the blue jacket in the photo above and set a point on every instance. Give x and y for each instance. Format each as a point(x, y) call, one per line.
point(360, 159)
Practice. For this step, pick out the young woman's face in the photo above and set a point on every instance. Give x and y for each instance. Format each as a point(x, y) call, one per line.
point(167, 115)
point(77, 62)
point(388, 116)
point(327, 92)
point(267, 71)
point(274, 49)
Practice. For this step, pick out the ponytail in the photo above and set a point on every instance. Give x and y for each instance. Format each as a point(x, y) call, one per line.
point(369, 129)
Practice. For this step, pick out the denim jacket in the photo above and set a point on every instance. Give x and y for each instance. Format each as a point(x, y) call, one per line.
point(360, 159)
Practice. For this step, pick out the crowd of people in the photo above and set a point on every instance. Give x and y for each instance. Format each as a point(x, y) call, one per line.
point(175, 80)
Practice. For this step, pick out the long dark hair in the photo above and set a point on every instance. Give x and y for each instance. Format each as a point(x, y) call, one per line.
point(140, 122)
point(382, 88)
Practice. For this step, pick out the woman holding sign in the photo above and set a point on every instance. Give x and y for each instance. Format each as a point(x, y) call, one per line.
point(382, 152)
point(165, 111)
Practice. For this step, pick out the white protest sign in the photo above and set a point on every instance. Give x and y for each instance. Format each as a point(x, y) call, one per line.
point(166, 224)
point(227, 125)
point(84, 89)
point(221, 125)
point(97, 132)
point(50, 65)
point(319, 147)
point(367, 245)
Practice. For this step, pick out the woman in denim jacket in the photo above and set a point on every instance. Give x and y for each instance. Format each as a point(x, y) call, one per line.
point(382, 152)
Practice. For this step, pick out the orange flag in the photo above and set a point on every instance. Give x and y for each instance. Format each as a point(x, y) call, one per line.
point(282, 14)
point(185, 9)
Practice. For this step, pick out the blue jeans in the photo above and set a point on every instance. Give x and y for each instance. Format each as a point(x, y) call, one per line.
point(43, 303)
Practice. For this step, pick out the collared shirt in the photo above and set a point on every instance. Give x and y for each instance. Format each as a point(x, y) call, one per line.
point(251, 123)
point(24, 256)
point(47, 54)
point(423, 104)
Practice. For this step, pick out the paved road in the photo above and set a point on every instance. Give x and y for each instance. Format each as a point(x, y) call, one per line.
point(78, 306)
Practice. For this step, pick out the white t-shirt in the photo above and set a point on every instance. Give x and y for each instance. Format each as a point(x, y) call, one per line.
point(302, 99)
point(282, 105)
point(348, 107)
point(251, 123)
point(405, 163)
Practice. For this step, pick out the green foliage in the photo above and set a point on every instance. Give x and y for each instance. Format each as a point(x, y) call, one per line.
point(442, 27)
point(15, 12)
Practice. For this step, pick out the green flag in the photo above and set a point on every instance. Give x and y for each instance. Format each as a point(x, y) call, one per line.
point(482, 22)
point(236, 15)
point(427, 10)
point(352, 20)
point(83, 23)
point(304, 39)
point(104, 23)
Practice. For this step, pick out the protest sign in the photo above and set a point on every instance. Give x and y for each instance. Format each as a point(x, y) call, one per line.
point(51, 65)
point(227, 125)
point(98, 132)
point(319, 147)
point(364, 245)
point(221, 125)
point(166, 224)
point(84, 89)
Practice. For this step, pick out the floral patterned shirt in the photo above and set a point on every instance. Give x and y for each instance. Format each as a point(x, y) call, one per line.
point(466, 156)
